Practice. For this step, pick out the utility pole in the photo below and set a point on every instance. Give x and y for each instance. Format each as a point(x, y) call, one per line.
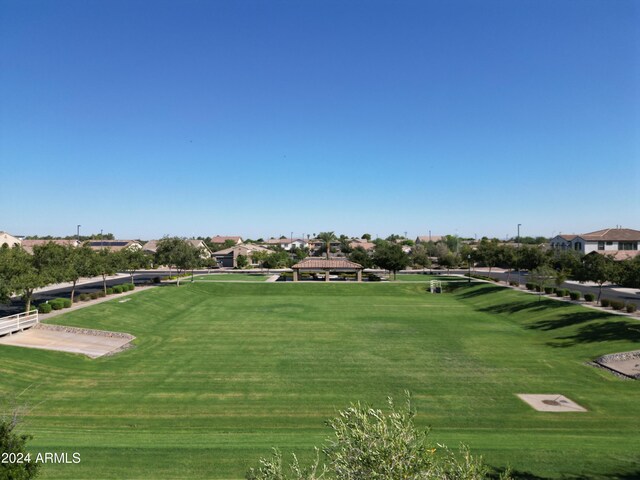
point(78, 233)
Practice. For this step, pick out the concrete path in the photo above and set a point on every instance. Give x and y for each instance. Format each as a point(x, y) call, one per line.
point(93, 346)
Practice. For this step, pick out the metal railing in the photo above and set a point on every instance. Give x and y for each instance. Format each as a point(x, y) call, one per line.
point(18, 322)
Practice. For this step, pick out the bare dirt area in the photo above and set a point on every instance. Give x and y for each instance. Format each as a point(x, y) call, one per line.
point(625, 363)
point(92, 343)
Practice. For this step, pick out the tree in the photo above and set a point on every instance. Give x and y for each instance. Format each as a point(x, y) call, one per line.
point(542, 277)
point(370, 444)
point(360, 255)
point(366, 236)
point(450, 260)
point(178, 253)
point(507, 258)
point(420, 257)
point(106, 263)
point(390, 257)
point(132, 260)
point(14, 443)
point(487, 252)
point(599, 269)
point(80, 262)
point(279, 259)
point(242, 261)
point(629, 271)
point(25, 274)
point(260, 256)
point(327, 238)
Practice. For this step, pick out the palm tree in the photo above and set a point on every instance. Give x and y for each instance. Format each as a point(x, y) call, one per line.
point(327, 238)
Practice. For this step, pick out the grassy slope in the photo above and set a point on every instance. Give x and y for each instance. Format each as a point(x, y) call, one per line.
point(222, 372)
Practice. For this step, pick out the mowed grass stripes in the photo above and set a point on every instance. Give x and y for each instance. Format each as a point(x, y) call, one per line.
point(221, 372)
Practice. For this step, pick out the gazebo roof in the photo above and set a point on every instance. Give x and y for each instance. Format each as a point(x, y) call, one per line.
point(332, 263)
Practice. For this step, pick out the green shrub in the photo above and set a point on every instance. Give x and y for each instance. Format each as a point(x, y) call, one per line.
point(44, 308)
point(56, 304)
point(101, 294)
point(110, 291)
point(617, 304)
point(605, 302)
point(589, 297)
point(549, 290)
point(94, 295)
point(530, 286)
point(561, 292)
point(538, 288)
point(117, 289)
point(84, 297)
point(575, 295)
point(631, 307)
point(514, 283)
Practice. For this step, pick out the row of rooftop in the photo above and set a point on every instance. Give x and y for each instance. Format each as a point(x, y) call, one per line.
point(619, 243)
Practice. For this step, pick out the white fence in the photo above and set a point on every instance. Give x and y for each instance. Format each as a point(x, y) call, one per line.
point(16, 323)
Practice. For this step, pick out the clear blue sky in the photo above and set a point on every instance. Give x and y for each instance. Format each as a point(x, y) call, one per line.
point(259, 118)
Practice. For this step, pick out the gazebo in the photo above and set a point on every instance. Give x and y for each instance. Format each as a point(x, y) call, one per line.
point(318, 265)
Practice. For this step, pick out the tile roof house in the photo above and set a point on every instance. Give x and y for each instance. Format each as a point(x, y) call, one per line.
point(609, 241)
point(221, 239)
point(359, 242)
point(29, 244)
point(8, 240)
point(428, 238)
point(114, 245)
point(228, 257)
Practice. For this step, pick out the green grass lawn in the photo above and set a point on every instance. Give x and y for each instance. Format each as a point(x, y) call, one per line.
point(231, 277)
point(224, 371)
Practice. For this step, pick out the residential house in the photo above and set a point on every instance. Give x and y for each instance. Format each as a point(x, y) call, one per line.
point(114, 245)
point(428, 238)
point(287, 243)
point(609, 241)
point(8, 240)
point(228, 257)
point(362, 243)
point(29, 244)
point(218, 239)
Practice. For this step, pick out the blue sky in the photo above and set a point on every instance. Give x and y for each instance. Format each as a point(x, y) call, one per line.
point(261, 118)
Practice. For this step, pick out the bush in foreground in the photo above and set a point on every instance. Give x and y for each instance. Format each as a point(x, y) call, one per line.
point(370, 444)
point(561, 292)
point(605, 302)
point(631, 307)
point(14, 445)
point(589, 297)
point(575, 295)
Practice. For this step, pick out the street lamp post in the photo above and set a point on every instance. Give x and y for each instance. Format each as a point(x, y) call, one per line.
point(518, 254)
point(469, 265)
point(78, 233)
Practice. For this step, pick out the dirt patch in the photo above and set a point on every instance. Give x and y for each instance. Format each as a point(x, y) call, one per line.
point(551, 402)
point(625, 363)
point(89, 342)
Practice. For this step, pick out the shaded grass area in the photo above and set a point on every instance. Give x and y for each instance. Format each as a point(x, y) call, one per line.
point(222, 372)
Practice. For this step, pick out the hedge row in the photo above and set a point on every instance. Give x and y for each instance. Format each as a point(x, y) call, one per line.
point(60, 303)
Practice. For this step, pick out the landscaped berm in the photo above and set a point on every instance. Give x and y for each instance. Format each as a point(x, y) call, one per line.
point(222, 372)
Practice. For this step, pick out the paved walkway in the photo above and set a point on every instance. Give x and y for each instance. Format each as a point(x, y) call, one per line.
point(88, 303)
